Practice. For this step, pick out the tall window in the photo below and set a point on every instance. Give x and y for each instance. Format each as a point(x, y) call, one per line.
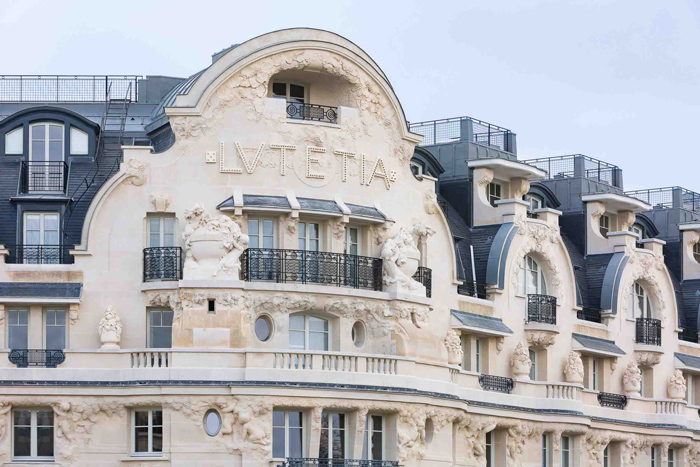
point(309, 236)
point(308, 332)
point(606, 456)
point(594, 373)
point(55, 331)
point(532, 280)
point(147, 434)
point(671, 458)
point(289, 91)
point(41, 238)
point(494, 193)
point(641, 305)
point(160, 329)
point(477, 355)
point(373, 445)
point(287, 434)
point(351, 241)
point(332, 445)
point(33, 434)
point(261, 233)
point(545, 450)
point(565, 451)
point(161, 231)
point(18, 329)
point(533, 367)
point(604, 224)
point(696, 251)
point(654, 460)
point(489, 449)
point(45, 152)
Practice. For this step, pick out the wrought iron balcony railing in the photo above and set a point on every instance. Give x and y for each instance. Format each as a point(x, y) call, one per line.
point(616, 401)
point(24, 358)
point(313, 267)
point(648, 331)
point(315, 112)
point(43, 177)
point(314, 462)
point(589, 314)
point(425, 277)
point(162, 263)
point(496, 383)
point(472, 289)
point(688, 335)
point(39, 254)
point(541, 309)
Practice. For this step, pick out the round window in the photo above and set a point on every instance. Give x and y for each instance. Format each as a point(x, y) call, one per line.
point(358, 334)
point(263, 328)
point(212, 422)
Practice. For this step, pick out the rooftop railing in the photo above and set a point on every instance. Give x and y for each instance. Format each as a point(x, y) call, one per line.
point(578, 166)
point(669, 197)
point(66, 88)
point(315, 462)
point(451, 130)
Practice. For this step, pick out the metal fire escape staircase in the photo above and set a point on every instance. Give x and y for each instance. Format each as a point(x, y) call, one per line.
point(108, 157)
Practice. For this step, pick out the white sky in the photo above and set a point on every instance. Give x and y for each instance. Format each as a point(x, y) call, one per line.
point(615, 80)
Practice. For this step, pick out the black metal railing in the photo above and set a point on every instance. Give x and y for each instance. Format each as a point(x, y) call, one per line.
point(688, 335)
point(24, 358)
point(314, 462)
point(589, 314)
point(668, 197)
point(450, 130)
point(532, 214)
point(162, 263)
point(315, 112)
point(66, 88)
point(39, 254)
point(496, 383)
point(314, 267)
point(608, 399)
point(425, 276)
point(472, 289)
point(43, 177)
point(648, 331)
point(566, 167)
point(541, 309)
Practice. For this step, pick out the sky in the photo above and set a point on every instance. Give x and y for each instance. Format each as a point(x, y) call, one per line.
point(615, 80)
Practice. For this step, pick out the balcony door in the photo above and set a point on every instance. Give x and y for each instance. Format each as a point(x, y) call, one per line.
point(333, 444)
point(162, 259)
point(46, 156)
point(264, 263)
point(310, 261)
point(351, 248)
point(41, 244)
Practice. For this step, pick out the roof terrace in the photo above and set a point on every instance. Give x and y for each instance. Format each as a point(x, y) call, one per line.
point(578, 166)
point(67, 88)
point(451, 130)
point(669, 197)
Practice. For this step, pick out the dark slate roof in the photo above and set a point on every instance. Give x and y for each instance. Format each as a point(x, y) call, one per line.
point(690, 303)
point(579, 263)
point(481, 239)
point(595, 343)
point(364, 211)
point(323, 205)
point(483, 322)
point(596, 265)
point(280, 202)
point(462, 236)
point(678, 292)
point(688, 360)
point(9, 178)
point(41, 290)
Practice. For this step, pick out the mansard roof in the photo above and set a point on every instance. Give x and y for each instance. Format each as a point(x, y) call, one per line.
point(487, 323)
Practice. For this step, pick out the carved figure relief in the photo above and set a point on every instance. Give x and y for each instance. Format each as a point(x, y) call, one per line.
point(110, 329)
point(160, 201)
point(430, 202)
point(400, 260)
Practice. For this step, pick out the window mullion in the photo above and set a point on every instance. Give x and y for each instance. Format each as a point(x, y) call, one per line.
point(150, 431)
point(33, 434)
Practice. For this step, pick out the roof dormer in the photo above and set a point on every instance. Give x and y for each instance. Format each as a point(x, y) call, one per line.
point(609, 217)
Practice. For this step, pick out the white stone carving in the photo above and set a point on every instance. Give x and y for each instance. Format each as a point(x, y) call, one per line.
point(110, 329)
point(632, 379)
point(160, 201)
point(520, 363)
point(135, 172)
point(519, 187)
point(338, 229)
point(454, 347)
point(625, 220)
point(676, 385)
point(573, 370)
point(647, 359)
point(73, 313)
point(291, 224)
point(540, 339)
point(422, 231)
point(430, 202)
point(213, 245)
point(400, 260)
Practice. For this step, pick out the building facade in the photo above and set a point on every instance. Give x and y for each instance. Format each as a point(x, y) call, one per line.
point(265, 264)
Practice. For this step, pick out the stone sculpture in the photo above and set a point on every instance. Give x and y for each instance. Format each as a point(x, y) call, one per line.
point(110, 329)
point(632, 379)
point(400, 260)
point(454, 348)
point(573, 370)
point(676, 385)
point(520, 363)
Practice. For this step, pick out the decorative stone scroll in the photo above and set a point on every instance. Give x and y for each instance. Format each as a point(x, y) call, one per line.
point(135, 172)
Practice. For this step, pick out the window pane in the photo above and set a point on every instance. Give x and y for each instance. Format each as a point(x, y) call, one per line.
point(17, 337)
point(313, 230)
point(22, 442)
point(268, 227)
point(44, 442)
point(167, 317)
point(32, 222)
point(141, 439)
point(296, 92)
point(157, 439)
point(253, 227)
point(55, 151)
point(317, 324)
point(23, 417)
point(23, 316)
point(161, 337)
point(157, 417)
point(295, 442)
point(14, 143)
point(377, 446)
point(278, 418)
point(38, 151)
point(318, 341)
point(56, 337)
point(296, 322)
point(295, 419)
point(278, 441)
point(155, 318)
point(279, 90)
point(55, 132)
point(38, 132)
point(268, 242)
point(296, 340)
point(141, 419)
point(78, 141)
point(253, 241)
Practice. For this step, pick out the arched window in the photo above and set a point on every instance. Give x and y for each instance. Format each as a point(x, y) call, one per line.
point(535, 201)
point(641, 305)
point(308, 332)
point(531, 280)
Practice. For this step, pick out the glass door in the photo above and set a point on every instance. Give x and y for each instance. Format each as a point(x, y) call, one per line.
point(46, 157)
point(309, 248)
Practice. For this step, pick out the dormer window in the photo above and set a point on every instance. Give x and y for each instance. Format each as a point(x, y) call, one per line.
point(637, 229)
point(535, 202)
point(289, 91)
point(417, 169)
point(14, 142)
point(604, 225)
point(494, 193)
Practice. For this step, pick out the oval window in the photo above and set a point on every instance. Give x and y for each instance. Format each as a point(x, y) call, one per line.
point(212, 422)
point(263, 328)
point(358, 334)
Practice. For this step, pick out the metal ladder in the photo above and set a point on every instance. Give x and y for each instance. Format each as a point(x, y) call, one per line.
point(108, 156)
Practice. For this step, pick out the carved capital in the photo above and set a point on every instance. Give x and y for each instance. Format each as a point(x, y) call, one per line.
point(73, 313)
point(519, 187)
point(625, 219)
point(647, 359)
point(161, 201)
point(540, 339)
